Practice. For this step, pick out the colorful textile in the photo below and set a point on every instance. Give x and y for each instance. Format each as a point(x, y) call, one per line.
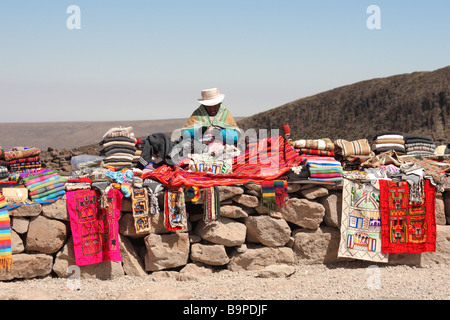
point(39, 177)
point(45, 185)
point(265, 160)
point(407, 227)
point(5, 241)
point(139, 202)
point(3, 202)
point(24, 160)
point(351, 148)
point(94, 229)
point(324, 169)
point(19, 154)
point(274, 194)
point(361, 223)
point(211, 208)
point(45, 192)
point(174, 209)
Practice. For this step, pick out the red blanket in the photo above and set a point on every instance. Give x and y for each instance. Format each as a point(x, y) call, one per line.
point(267, 159)
point(405, 227)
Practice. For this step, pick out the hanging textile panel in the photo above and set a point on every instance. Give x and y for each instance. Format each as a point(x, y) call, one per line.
point(5, 241)
point(174, 209)
point(361, 222)
point(407, 227)
point(94, 227)
point(139, 198)
point(211, 207)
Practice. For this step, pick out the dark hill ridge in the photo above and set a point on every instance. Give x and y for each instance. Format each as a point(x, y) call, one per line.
point(416, 103)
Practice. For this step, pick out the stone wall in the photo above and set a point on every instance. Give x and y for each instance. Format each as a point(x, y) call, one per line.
point(246, 237)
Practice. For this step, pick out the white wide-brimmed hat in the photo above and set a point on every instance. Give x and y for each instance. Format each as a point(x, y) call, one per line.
point(211, 97)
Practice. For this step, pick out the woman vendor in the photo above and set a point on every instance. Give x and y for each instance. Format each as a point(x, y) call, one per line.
point(211, 121)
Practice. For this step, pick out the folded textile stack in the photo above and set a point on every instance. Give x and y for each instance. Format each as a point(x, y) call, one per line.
point(325, 169)
point(118, 147)
point(137, 155)
point(4, 174)
point(419, 145)
point(318, 147)
point(45, 185)
point(23, 160)
point(387, 141)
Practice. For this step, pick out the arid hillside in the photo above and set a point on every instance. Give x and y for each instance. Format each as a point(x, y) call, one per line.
point(409, 103)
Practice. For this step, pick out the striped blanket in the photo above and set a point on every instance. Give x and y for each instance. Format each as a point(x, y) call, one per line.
point(5, 241)
point(324, 169)
point(45, 185)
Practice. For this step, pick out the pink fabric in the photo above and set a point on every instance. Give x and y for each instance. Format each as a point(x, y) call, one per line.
point(94, 229)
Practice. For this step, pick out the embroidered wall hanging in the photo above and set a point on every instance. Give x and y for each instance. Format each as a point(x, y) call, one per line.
point(94, 228)
point(174, 209)
point(406, 226)
point(139, 198)
point(361, 222)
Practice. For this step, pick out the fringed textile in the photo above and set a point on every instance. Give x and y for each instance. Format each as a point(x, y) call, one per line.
point(211, 207)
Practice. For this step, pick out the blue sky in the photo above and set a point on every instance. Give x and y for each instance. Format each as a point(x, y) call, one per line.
point(144, 60)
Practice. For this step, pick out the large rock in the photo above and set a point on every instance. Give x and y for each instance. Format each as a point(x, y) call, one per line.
point(66, 258)
point(276, 271)
point(193, 272)
point(16, 243)
point(268, 231)
point(126, 227)
point(258, 257)
point(20, 224)
point(56, 210)
point(316, 246)
point(446, 196)
point(246, 200)
point(166, 251)
point(225, 193)
point(233, 212)
point(333, 209)
point(313, 193)
point(133, 265)
point(303, 213)
point(31, 210)
point(27, 266)
point(223, 231)
point(45, 235)
point(210, 254)
point(439, 210)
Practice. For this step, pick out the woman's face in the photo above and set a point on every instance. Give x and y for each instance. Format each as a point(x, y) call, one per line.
point(212, 110)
